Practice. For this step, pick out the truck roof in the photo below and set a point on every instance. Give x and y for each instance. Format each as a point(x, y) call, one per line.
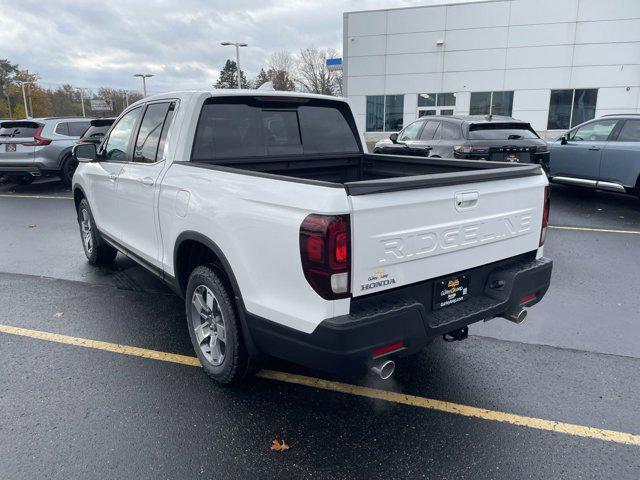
point(183, 94)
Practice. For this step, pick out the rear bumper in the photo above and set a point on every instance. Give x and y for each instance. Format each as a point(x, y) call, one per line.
point(345, 344)
point(20, 170)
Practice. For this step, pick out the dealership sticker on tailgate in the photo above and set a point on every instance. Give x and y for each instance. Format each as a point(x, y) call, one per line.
point(450, 290)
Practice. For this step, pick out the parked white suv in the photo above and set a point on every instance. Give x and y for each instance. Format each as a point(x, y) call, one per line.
point(286, 239)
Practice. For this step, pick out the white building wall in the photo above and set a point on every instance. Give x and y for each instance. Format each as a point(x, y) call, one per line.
point(528, 46)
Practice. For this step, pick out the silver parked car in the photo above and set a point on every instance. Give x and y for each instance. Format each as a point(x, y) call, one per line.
point(39, 147)
point(603, 153)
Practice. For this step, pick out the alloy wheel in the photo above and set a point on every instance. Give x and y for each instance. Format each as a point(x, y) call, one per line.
point(208, 325)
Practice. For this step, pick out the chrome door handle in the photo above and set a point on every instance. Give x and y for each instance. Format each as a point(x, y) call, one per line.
point(148, 181)
point(594, 148)
point(112, 177)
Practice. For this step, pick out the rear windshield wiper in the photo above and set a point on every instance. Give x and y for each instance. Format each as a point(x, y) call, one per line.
point(514, 137)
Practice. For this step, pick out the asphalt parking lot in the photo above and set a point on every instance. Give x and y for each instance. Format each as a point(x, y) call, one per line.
point(555, 397)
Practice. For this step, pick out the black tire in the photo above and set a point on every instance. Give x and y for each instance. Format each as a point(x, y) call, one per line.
point(96, 250)
point(69, 165)
point(235, 364)
point(24, 179)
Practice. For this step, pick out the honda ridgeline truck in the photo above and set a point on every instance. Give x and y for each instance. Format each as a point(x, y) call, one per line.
point(285, 238)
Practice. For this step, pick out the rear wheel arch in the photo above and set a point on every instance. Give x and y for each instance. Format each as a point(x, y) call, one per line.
point(193, 249)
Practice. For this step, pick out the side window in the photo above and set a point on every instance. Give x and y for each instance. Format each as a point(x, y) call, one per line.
point(148, 139)
point(119, 140)
point(165, 130)
point(76, 129)
point(450, 131)
point(411, 132)
point(630, 131)
point(62, 129)
point(429, 130)
point(593, 132)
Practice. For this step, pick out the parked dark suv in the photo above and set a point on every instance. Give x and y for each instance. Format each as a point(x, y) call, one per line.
point(476, 137)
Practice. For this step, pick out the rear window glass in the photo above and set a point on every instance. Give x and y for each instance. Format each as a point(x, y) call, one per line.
point(77, 128)
point(240, 128)
point(95, 132)
point(18, 132)
point(496, 131)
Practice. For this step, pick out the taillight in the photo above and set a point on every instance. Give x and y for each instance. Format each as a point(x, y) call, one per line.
point(37, 139)
point(326, 254)
point(470, 149)
point(545, 216)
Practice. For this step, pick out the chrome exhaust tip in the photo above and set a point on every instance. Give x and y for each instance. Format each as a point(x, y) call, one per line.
point(516, 316)
point(384, 369)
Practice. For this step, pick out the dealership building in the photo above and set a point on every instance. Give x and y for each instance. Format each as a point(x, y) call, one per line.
point(553, 63)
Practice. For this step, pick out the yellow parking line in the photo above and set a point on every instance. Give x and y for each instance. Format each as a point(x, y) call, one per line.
point(385, 395)
point(35, 196)
point(601, 230)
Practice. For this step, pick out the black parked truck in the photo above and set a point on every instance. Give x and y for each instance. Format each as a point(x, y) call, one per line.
point(472, 137)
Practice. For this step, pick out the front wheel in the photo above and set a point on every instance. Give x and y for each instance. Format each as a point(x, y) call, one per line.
point(97, 252)
point(214, 327)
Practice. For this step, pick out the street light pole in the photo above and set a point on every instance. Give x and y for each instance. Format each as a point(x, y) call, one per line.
point(144, 77)
point(237, 45)
point(82, 101)
point(24, 99)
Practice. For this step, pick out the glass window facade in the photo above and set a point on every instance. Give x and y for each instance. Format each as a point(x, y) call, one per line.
point(491, 103)
point(437, 99)
point(480, 103)
point(393, 110)
point(502, 103)
point(568, 108)
point(384, 113)
point(375, 113)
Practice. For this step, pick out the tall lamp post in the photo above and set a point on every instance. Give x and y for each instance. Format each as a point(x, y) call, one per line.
point(24, 99)
point(82, 100)
point(144, 77)
point(237, 45)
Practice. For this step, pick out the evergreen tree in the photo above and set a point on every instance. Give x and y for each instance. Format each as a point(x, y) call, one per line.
point(228, 78)
point(261, 79)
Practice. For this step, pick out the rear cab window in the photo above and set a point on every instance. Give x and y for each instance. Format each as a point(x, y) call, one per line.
point(501, 131)
point(245, 127)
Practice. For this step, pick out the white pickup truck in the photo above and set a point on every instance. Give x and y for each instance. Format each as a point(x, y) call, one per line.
point(264, 212)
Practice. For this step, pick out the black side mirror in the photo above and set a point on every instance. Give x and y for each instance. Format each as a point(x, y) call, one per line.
point(394, 137)
point(563, 139)
point(85, 152)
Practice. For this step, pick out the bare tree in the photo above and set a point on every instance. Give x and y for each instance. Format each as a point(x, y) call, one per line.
point(280, 72)
point(312, 72)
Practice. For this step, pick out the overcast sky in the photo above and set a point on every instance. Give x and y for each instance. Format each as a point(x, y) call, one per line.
point(102, 43)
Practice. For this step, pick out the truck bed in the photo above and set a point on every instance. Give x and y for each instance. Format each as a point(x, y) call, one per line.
point(373, 173)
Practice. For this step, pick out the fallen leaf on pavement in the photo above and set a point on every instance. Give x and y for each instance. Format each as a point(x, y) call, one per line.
point(32, 226)
point(58, 314)
point(279, 446)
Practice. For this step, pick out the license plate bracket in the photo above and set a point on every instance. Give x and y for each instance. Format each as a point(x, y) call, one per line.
point(450, 290)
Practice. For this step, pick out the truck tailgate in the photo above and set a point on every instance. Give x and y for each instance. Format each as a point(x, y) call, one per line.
point(404, 237)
